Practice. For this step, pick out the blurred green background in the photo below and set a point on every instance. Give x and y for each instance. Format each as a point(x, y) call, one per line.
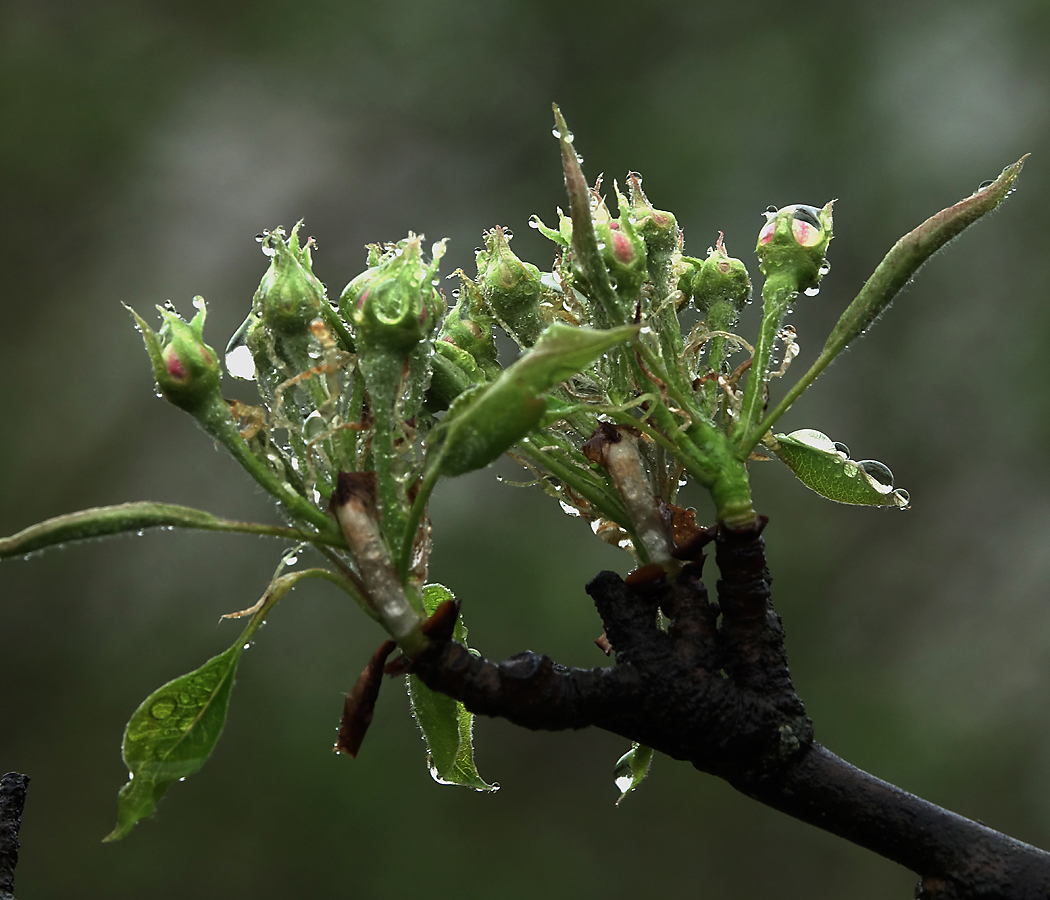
point(141, 149)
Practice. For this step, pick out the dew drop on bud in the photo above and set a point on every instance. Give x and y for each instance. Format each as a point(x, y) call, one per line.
point(534, 223)
point(508, 234)
point(771, 210)
point(812, 291)
point(985, 184)
point(842, 448)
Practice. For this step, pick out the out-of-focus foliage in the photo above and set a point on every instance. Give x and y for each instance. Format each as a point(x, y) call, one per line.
point(141, 144)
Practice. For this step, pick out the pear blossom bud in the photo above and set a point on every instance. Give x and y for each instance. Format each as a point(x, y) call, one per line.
point(186, 369)
point(511, 287)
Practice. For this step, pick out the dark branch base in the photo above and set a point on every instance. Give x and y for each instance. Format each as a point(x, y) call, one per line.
point(12, 800)
point(714, 690)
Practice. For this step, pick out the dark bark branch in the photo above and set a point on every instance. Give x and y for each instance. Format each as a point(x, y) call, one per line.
point(715, 690)
point(12, 800)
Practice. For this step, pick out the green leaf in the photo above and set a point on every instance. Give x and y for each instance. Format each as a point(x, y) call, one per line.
point(447, 725)
point(104, 521)
point(485, 422)
point(631, 769)
point(823, 468)
point(175, 729)
point(171, 735)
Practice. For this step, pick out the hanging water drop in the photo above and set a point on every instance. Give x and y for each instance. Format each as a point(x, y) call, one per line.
point(534, 222)
point(812, 291)
point(879, 472)
point(842, 448)
point(240, 364)
point(825, 267)
point(508, 234)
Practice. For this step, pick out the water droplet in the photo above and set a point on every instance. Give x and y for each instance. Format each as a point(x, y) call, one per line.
point(601, 245)
point(163, 707)
point(246, 646)
point(239, 363)
point(771, 210)
point(182, 779)
point(455, 294)
point(569, 136)
point(812, 438)
point(878, 471)
point(198, 302)
point(825, 267)
point(260, 237)
point(508, 234)
point(534, 223)
point(169, 306)
point(567, 509)
point(623, 783)
point(812, 291)
point(291, 560)
point(842, 448)
point(986, 184)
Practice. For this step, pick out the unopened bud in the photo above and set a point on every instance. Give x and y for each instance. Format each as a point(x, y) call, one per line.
point(719, 287)
point(657, 227)
point(469, 327)
point(511, 287)
point(394, 305)
point(290, 296)
point(186, 369)
point(623, 248)
point(795, 239)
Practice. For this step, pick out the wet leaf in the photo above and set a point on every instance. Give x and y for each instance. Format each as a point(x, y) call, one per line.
point(486, 421)
point(910, 252)
point(631, 769)
point(447, 725)
point(821, 467)
point(175, 729)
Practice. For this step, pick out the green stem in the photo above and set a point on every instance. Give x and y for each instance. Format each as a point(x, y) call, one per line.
point(216, 420)
point(108, 520)
point(780, 289)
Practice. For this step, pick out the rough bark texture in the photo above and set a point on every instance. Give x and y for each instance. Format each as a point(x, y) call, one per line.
point(12, 800)
point(714, 690)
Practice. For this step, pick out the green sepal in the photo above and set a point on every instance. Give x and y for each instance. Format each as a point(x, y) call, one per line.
point(446, 724)
point(631, 769)
point(486, 421)
point(562, 237)
point(175, 729)
point(816, 462)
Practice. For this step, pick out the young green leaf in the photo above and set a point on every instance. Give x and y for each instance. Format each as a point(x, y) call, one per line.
point(446, 724)
point(175, 729)
point(483, 423)
point(631, 769)
point(822, 467)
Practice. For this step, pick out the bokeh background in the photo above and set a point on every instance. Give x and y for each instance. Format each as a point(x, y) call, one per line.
point(142, 146)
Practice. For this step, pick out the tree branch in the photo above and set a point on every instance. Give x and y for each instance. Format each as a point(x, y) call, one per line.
point(12, 800)
point(715, 690)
